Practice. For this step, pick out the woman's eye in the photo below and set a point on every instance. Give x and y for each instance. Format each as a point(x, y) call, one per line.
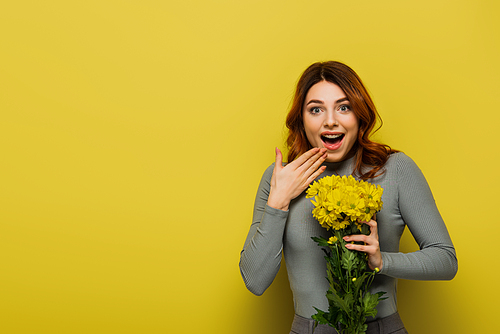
point(315, 110)
point(344, 108)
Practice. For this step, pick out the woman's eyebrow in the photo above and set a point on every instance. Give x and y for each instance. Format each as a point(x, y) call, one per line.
point(315, 101)
point(321, 102)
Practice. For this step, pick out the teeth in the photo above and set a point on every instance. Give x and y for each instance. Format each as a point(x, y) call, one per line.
point(332, 136)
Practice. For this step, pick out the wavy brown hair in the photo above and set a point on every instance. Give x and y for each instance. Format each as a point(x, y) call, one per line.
point(370, 156)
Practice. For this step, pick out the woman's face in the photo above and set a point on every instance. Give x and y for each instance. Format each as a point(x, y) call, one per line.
point(329, 121)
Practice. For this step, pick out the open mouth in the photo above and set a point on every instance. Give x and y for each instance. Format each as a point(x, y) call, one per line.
point(332, 140)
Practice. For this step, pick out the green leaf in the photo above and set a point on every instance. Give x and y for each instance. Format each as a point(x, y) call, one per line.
point(370, 302)
point(362, 264)
point(321, 241)
point(380, 294)
point(349, 260)
point(320, 317)
point(336, 315)
point(348, 300)
point(333, 259)
point(358, 284)
point(337, 301)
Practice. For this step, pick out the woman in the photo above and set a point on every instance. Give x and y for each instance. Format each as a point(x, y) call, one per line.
point(329, 124)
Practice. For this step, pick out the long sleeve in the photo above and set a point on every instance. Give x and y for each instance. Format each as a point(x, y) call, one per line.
point(261, 256)
point(436, 259)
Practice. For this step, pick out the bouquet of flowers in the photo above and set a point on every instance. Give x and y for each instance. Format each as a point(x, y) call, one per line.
point(342, 204)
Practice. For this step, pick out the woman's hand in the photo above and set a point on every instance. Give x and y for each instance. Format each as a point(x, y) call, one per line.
point(370, 247)
point(290, 181)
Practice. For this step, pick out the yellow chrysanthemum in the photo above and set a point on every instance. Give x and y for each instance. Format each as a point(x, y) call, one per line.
point(332, 240)
point(313, 189)
point(342, 224)
point(354, 206)
point(338, 201)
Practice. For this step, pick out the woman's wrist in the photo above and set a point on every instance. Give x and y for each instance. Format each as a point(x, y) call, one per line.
point(277, 203)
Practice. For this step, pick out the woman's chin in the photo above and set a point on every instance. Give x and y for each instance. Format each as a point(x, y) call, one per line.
point(335, 157)
point(340, 155)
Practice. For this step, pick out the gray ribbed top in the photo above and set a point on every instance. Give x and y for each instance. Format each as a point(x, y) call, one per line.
point(407, 201)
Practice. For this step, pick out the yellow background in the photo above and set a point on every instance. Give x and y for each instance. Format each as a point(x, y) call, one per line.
point(134, 134)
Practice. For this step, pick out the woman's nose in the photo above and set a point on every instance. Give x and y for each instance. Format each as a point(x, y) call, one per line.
point(330, 120)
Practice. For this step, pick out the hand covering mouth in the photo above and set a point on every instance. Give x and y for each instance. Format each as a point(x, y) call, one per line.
point(332, 139)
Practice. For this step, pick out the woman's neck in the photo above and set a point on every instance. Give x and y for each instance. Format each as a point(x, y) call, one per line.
point(341, 167)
